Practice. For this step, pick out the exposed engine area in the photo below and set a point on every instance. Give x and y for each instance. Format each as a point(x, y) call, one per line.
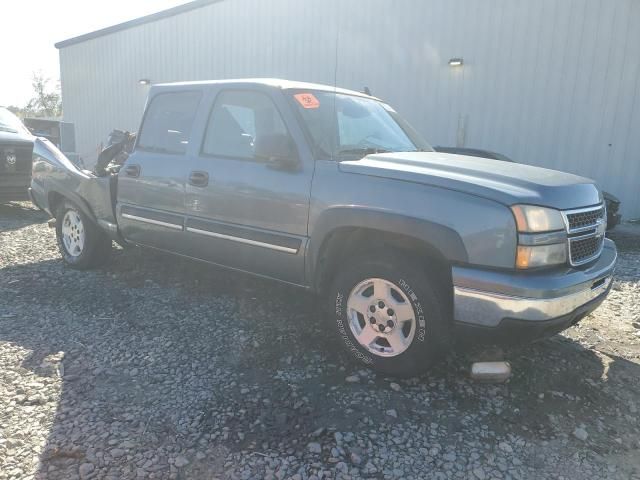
point(112, 157)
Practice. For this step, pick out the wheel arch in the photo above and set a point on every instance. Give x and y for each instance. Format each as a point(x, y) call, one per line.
point(55, 198)
point(341, 231)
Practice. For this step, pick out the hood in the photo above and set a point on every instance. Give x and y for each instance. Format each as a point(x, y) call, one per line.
point(507, 183)
point(15, 138)
point(45, 149)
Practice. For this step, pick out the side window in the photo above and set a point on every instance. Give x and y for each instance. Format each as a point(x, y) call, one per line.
point(239, 122)
point(168, 121)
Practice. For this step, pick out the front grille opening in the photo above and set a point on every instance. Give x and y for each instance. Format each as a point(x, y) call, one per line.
point(15, 160)
point(585, 249)
point(585, 219)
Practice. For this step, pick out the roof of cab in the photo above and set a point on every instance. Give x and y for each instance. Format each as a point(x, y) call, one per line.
point(269, 82)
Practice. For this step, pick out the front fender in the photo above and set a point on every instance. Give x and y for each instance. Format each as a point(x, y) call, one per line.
point(444, 239)
point(55, 176)
point(71, 196)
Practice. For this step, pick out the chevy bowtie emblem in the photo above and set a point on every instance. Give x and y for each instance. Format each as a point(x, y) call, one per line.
point(11, 159)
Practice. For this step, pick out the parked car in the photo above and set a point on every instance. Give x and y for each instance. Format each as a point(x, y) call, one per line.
point(611, 201)
point(332, 191)
point(16, 145)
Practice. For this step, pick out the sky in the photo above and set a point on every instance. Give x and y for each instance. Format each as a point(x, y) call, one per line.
point(31, 27)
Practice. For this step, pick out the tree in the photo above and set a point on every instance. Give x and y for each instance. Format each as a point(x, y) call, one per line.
point(46, 102)
point(16, 110)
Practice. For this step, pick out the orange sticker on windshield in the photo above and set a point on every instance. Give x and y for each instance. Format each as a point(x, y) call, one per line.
point(307, 100)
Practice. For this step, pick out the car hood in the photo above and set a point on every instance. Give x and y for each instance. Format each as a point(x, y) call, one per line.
point(504, 182)
point(15, 138)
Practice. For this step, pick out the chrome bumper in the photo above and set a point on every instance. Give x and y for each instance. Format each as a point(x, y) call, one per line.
point(486, 298)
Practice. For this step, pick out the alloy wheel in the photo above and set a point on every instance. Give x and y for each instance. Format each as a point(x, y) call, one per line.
point(73, 235)
point(381, 317)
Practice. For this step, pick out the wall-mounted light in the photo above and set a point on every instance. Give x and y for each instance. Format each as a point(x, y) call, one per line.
point(144, 81)
point(456, 62)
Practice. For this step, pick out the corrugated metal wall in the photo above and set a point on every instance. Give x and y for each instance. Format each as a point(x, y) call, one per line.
point(547, 82)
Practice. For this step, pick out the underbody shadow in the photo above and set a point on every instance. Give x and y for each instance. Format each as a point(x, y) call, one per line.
point(165, 357)
point(16, 215)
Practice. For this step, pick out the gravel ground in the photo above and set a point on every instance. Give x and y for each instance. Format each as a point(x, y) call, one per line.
point(156, 367)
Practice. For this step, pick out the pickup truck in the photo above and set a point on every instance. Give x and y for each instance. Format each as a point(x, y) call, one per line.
point(333, 191)
point(16, 146)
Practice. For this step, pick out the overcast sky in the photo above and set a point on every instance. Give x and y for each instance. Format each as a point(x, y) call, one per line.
point(31, 27)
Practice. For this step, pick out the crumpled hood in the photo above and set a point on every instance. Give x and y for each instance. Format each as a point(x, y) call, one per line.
point(504, 182)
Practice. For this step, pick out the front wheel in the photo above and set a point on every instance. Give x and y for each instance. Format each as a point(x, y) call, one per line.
point(82, 244)
point(389, 314)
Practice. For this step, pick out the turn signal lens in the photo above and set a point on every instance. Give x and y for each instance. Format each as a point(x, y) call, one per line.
point(532, 219)
point(541, 255)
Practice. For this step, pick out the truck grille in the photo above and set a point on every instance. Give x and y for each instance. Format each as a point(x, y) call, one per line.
point(584, 249)
point(585, 219)
point(585, 228)
point(15, 158)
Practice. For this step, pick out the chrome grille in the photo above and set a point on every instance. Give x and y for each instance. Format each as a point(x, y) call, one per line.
point(584, 249)
point(585, 228)
point(585, 219)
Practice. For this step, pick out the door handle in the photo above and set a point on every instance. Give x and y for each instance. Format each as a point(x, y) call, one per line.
point(132, 171)
point(199, 179)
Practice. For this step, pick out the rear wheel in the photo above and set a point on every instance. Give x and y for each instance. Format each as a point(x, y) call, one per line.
point(82, 244)
point(389, 314)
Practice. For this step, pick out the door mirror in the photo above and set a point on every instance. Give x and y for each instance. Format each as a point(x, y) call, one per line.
point(277, 150)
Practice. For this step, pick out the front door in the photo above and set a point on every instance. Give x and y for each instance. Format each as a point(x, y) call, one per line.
point(244, 209)
point(151, 184)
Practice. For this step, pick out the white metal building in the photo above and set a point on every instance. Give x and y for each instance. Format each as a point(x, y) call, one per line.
point(554, 83)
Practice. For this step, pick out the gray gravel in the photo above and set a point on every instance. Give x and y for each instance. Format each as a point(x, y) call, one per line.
point(156, 367)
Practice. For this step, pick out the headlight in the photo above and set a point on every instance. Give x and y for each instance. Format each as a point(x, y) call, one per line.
point(542, 238)
point(541, 255)
point(531, 219)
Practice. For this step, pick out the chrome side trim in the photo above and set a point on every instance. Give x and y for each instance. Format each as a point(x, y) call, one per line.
point(222, 265)
point(489, 309)
point(152, 221)
point(245, 241)
point(112, 227)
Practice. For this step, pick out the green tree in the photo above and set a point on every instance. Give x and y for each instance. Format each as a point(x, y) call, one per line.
point(46, 102)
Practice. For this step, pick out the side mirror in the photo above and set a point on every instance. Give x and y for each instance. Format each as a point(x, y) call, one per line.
point(278, 151)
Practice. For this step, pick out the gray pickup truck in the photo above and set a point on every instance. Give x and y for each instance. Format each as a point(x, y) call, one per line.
point(331, 190)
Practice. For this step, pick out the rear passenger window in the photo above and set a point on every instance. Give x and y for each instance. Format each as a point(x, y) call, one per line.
point(168, 121)
point(239, 121)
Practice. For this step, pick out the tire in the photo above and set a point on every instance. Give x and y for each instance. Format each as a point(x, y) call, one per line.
point(81, 242)
point(378, 283)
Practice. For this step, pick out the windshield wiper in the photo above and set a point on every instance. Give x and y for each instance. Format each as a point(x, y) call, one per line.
point(4, 128)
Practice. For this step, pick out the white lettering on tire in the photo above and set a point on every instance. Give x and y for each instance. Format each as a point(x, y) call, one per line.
point(422, 324)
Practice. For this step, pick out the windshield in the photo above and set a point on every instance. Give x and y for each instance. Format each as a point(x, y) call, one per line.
point(348, 126)
point(10, 123)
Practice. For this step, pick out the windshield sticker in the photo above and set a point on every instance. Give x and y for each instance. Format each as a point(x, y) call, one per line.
point(307, 100)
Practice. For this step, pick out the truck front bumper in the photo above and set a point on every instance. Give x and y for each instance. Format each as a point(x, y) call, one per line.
point(530, 305)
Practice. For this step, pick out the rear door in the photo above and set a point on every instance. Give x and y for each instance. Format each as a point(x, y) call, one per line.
point(151, 184)
point(244, 211)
